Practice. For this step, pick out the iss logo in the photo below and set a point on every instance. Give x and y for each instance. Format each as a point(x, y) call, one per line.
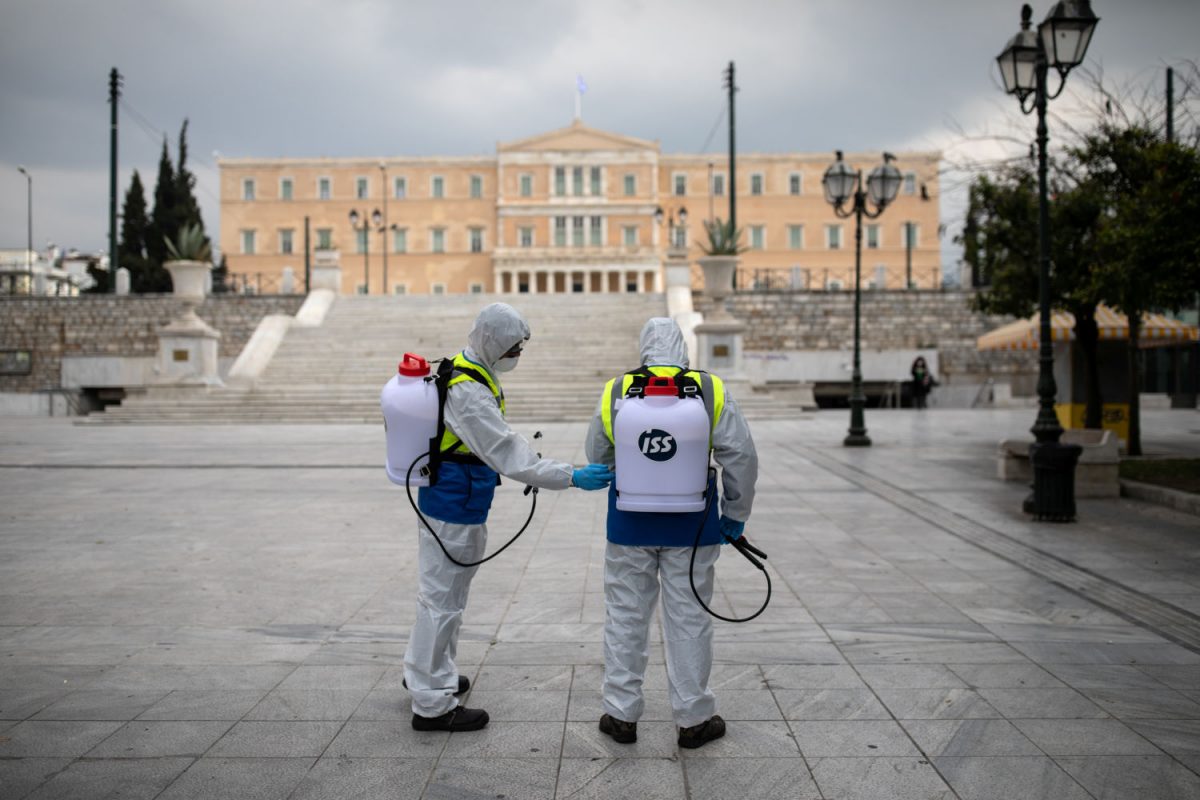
point(657, 445)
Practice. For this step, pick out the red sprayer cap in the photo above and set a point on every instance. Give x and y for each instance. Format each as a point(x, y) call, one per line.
point(413, 366)
point(661, 387)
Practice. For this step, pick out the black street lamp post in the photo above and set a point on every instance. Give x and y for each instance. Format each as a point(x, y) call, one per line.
point(375, 219)
point(29, 220)
point(1061, 41)
point(842, 183)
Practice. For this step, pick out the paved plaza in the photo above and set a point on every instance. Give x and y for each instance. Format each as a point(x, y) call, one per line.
point(221, 612)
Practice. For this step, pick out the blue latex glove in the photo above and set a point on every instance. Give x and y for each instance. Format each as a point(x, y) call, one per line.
point(592, 477)
point(731, 528)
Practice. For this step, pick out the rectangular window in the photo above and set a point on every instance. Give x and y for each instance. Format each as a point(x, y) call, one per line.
point(437, 186)
point(560, 231)
point(796, 237)
point(680, 236)
point(910, 183)
point(526, 185)
point(324, 189)
point(476, 288)
point(577, 181)
point(560, 181)
point(630, 185)
point(629, 235)
point(679, 185)
point(596, 232)
point(833, 237)
point(360, 240)
point(718, 185)
point(794, 184)
point(437, 288)
point(324, 238)
point(400, 288)
point(526, 237)
point(596, 182)
point(872, 237)
point(400, 188)
point(758, 236)
point(476, 240)
point(437, 240)
point(247, 243)
point(400, 240)
point(476, 186)
point(285, 241)
point(248, 189)
point(756, 183)
point(362, 188)
point(577, 231)
point(285, 189)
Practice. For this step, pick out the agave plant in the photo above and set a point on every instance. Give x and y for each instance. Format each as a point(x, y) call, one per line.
point(190, 245)
point(723, 238)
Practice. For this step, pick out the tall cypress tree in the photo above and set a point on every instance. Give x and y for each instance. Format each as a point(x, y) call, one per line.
point(164, 225)
point(134, 224)
point(187, 210)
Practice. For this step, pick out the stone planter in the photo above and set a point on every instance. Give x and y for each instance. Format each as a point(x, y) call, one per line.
point(189, 279)
point(718, 283)
point(326, 271)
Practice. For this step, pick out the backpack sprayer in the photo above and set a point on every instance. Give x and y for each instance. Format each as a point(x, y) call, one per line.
point(413, 403)
point(661, 440)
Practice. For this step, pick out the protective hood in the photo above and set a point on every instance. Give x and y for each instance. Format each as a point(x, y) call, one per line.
point(497, 328)
point(662, 343)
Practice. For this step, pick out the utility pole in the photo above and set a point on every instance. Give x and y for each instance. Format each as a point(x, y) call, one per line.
point(908, 245)
point(114, 94)
point(307, 263)
point(731, 85)
point(1170, 104)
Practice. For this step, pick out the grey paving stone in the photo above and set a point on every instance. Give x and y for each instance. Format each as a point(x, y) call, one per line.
point(969, 737)
point(602, 779)
point(654, 740)
point(124, 778)
point(276, 740)
point(857, 738)
point(17, 704)
point(157, 739)
point(910, 676)
point(460, 778)
point(340, 678)
point(100, 705)
point(775, 653)
point(936, 704)
point(385, 704)
point(1086, 653)
point(1116, 777)
point(588, 705)
point(239, 779)
point(1179, 737)
point(872, 778)
point(211, 704)
point(1034, 777)
point(50, 677)
point(590, 677)
point(1145, 703)
point(1042, 703)
point(20, 776)
point(147, 678)
point(311, 704)
point(848, 633)
point(501, 740)
point(366, 779)
point(1182, 677)
point(523, 678)
point(812, 676)
point(370, 654)
point(758, 778)
point(1085, 737)
point(506, 706)
point(47, 739)
point(1005, 676)
point(931, 653)
point(825, 704)
point(394, 739)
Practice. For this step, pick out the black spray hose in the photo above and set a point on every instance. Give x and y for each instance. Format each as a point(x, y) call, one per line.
point(745, 548)
point(408, 489)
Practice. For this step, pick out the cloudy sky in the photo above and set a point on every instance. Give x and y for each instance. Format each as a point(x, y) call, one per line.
point(452, 77)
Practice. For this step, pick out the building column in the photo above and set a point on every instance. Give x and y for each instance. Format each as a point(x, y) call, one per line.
point(658, 279)
point(640, 280)
point(533, 287)
point(587, 281)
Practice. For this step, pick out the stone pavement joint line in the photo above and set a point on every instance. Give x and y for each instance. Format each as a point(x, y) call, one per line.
point(1167, 620)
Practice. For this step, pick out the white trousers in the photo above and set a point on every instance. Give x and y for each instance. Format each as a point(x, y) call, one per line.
point(632, 580)
point(429, 667)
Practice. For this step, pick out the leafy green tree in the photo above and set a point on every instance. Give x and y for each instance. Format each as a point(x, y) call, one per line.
point(134, 224)
point(163, 225)
point(1149, 238)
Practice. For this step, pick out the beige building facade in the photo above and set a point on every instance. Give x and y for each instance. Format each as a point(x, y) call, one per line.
point(571, 210)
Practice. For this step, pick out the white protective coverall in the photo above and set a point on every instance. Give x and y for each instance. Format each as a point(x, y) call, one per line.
point(473, 415)
point(633, 575)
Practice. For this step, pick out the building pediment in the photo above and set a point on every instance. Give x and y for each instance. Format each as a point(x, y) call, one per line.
point(576, 137)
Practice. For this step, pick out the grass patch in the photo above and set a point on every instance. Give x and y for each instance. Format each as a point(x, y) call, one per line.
point(1174, 473)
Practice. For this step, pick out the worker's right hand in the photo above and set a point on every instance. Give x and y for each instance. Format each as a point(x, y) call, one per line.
point(592, 477)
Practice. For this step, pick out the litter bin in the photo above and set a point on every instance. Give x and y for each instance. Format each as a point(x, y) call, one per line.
point(1053, 498)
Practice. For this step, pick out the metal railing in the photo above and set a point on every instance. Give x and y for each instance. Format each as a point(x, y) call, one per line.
point(250, 283)
point(828, 279)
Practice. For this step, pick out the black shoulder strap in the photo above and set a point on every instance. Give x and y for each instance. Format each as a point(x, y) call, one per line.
point(441, 380)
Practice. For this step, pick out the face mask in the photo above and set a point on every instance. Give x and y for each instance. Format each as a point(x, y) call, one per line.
point(506, 364)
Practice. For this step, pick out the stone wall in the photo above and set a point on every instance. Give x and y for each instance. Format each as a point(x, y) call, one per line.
point(890, 320)
point(107, 325)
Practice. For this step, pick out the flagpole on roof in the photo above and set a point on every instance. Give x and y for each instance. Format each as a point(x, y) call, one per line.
point(580, 88)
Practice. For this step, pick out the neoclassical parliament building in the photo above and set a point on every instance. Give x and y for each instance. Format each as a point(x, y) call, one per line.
point(571, 210)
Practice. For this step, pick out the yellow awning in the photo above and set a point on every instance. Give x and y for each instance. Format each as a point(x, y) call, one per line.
point(1155, 331)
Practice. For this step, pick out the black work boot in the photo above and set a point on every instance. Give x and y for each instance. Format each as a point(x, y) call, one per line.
point(698, 735)
point(455, 720)
point(620, 731)
point(463, 684)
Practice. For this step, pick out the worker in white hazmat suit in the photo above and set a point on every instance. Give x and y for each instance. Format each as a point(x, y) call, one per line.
point(650, 553)
point(477, 447)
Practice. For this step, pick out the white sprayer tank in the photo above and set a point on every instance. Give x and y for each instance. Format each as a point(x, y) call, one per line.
point(410, 412)
point(661, 443)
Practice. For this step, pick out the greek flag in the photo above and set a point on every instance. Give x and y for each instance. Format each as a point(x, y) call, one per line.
point(579, 84)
